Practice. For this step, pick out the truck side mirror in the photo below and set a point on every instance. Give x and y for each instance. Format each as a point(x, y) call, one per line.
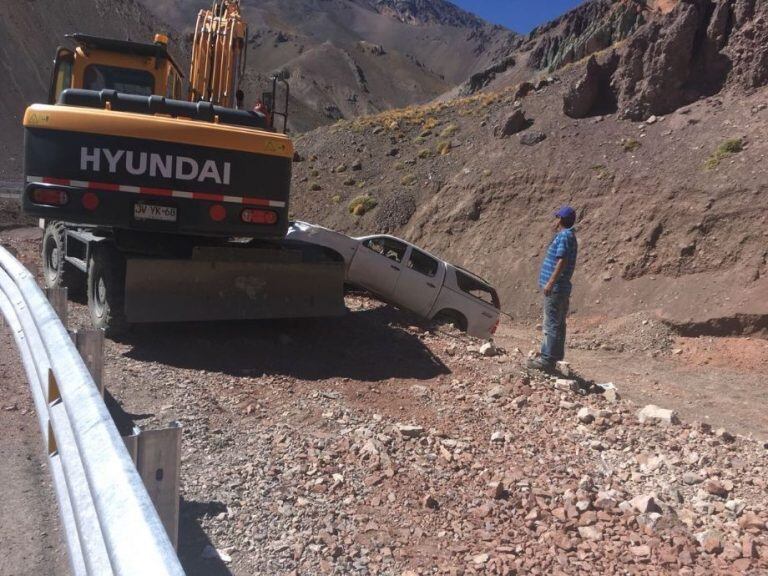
point(61, 77)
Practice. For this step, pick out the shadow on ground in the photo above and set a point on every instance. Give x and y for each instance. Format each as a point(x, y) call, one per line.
point(367, 345)
point(193, 539)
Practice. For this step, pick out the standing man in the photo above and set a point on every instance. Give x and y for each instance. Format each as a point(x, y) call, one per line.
point(555, 281)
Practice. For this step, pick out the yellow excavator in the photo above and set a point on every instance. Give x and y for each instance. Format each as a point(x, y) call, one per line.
point(167, 208)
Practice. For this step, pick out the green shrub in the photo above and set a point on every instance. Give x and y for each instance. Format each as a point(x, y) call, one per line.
point(443, 148)
point(601, 171)
point(425, 153)
point(630, 144)
point(362, 204)
point(425, 133)
point(726, 149)
point(315, 187)
point(336, 198)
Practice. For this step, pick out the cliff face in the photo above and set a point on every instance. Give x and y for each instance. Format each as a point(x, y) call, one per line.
point(694, 51)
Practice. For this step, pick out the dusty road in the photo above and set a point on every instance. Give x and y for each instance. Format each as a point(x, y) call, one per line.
point(30, 541)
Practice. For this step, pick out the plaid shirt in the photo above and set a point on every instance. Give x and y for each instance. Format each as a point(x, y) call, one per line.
point(565, 246)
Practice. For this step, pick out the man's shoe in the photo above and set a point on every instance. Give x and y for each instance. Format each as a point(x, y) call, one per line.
point(538, 364)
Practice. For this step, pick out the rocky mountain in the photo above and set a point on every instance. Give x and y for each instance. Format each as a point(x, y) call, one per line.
point(657, 140)
point(346, 58)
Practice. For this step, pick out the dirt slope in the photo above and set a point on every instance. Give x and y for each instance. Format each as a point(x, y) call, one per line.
point(672, 211)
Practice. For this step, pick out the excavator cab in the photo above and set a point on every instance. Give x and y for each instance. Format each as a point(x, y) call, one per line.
point(124, 66)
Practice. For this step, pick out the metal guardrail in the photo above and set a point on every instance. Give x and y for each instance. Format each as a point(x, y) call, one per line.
point(109, 521)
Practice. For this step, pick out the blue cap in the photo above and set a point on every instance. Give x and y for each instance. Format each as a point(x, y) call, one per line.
point(566, 212)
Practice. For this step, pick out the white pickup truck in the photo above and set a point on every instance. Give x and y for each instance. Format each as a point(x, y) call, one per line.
point(410, 278)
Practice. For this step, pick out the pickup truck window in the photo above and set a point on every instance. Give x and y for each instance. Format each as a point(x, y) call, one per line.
point(387, 247)
point(423, 263)
point(478, 289)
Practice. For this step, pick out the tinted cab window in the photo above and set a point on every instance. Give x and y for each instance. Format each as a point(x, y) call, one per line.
point(128, 80)
point(388, 247)
point(477, 289)
point(423, 263)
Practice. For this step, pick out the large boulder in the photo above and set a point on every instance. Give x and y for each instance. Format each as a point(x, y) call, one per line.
point(592, 94)
point(514, 123)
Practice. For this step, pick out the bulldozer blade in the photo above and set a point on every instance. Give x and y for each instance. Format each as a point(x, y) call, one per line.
point(233, 284)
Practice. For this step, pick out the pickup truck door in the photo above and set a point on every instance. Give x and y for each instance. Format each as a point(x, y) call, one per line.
point(377, 265)
point(420, 282)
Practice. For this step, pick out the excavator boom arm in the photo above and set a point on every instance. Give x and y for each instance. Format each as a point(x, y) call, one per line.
point(219, 55)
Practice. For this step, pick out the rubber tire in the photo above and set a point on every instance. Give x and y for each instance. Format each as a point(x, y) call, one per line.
point(57, 273)
point(451, 317)
point(106, 290)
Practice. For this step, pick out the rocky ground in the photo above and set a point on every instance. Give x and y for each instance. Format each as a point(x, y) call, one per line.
point(372, 445)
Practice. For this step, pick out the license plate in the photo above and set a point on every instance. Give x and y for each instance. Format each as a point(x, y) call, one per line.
point(143, 211)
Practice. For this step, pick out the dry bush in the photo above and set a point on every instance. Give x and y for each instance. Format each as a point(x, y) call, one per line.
point(443, 148)
point(362, 204)
point(449, 131)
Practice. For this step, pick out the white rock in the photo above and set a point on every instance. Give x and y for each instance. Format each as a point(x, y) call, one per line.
point(497, 437)
point(409, 430)
point(590, 533)
point(566, 385)
point(564, 368)
point(652, 413)
point(209, 552)
point(586, 415)
point(488, 349)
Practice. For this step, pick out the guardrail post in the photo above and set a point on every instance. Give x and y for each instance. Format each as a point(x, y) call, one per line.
point(58, 299)
point(90, 344)
point(159, 465)
point(132, 443)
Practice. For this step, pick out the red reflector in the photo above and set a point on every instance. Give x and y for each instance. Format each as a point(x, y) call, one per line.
point(217, 212)
point(250, 216)
point(90, 201)
point(495, 326)
point(50, 196)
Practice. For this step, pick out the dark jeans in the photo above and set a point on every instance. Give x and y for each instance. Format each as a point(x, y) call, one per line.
point(555, 311)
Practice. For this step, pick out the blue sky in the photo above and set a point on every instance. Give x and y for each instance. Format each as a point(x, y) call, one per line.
point(519, 15)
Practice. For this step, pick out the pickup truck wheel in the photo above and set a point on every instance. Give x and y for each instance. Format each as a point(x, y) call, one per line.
point(57, 272)
point(106, 290)
point(451, 318)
